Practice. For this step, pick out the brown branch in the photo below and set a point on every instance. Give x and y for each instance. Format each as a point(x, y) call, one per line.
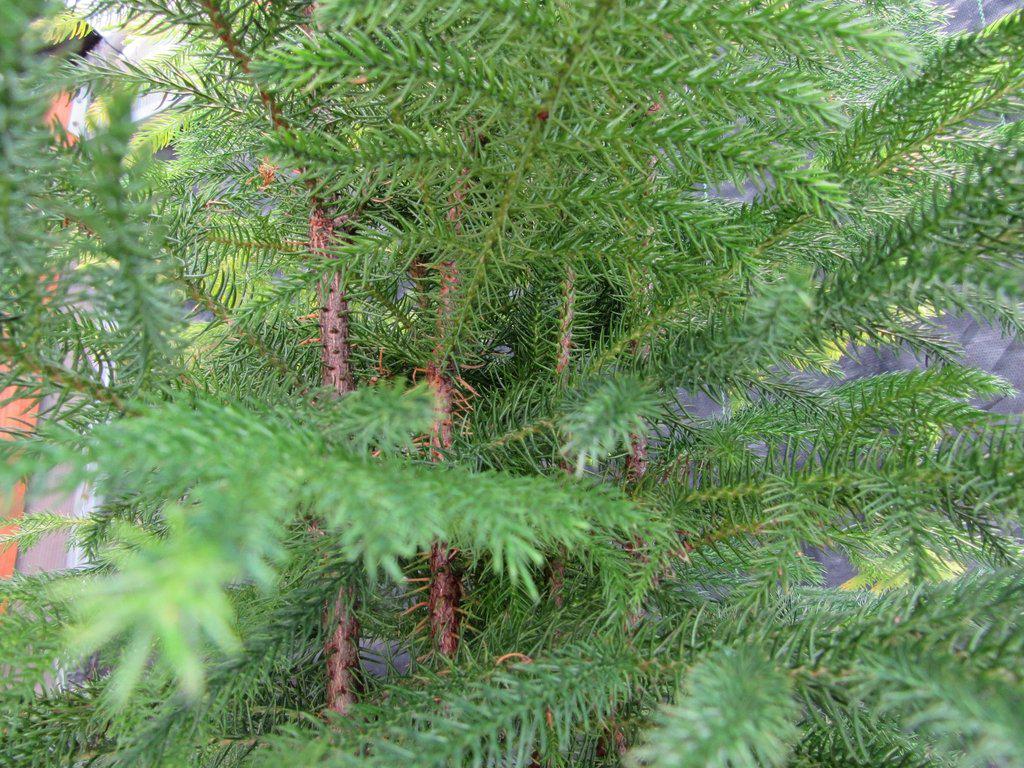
point(636, 462)
point(334, 309)
point(342, 649)
point(568, 314)
point(445, 582)
point(521, 657)
point(556, 579)
point(222, 27)
point(445, 595)
point(343, 653)
point(445, 598)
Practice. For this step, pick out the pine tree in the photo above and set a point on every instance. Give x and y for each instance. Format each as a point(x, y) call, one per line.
point(387, 381)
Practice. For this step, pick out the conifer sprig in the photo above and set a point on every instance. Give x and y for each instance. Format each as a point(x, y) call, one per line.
point(482, 358)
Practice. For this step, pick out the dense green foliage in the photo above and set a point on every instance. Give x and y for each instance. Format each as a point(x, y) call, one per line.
point(526, 206)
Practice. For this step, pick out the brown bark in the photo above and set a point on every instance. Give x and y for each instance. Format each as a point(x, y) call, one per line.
point(334, 311)
point(342, 648)
point(636, 469)
point(441, 429)
point(343, 654)
point(556, 565)
point(445, 599)
point(445, 582)
point(568, 315)
point(449, 284)
point(556, 581)
point(636, 462)
point(616, 738)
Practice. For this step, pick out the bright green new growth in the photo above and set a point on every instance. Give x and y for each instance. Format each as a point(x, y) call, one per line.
point(527, 203)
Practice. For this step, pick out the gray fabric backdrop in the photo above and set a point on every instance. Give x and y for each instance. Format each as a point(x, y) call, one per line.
point(983, 345)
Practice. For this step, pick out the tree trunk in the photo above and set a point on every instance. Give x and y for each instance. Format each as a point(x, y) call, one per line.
point(336, 372)
point(556, 565)
point(343, 654)
point(445, 599)
point(342, 649)
point(445, 582)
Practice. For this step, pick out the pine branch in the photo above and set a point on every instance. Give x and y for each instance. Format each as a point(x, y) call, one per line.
point(540, 215)
point(222, 28)
point(538, 123)
point(224, 316)
point(61, 377)
point(735, 711)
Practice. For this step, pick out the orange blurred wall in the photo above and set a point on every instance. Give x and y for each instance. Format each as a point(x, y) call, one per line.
point(22, 415)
